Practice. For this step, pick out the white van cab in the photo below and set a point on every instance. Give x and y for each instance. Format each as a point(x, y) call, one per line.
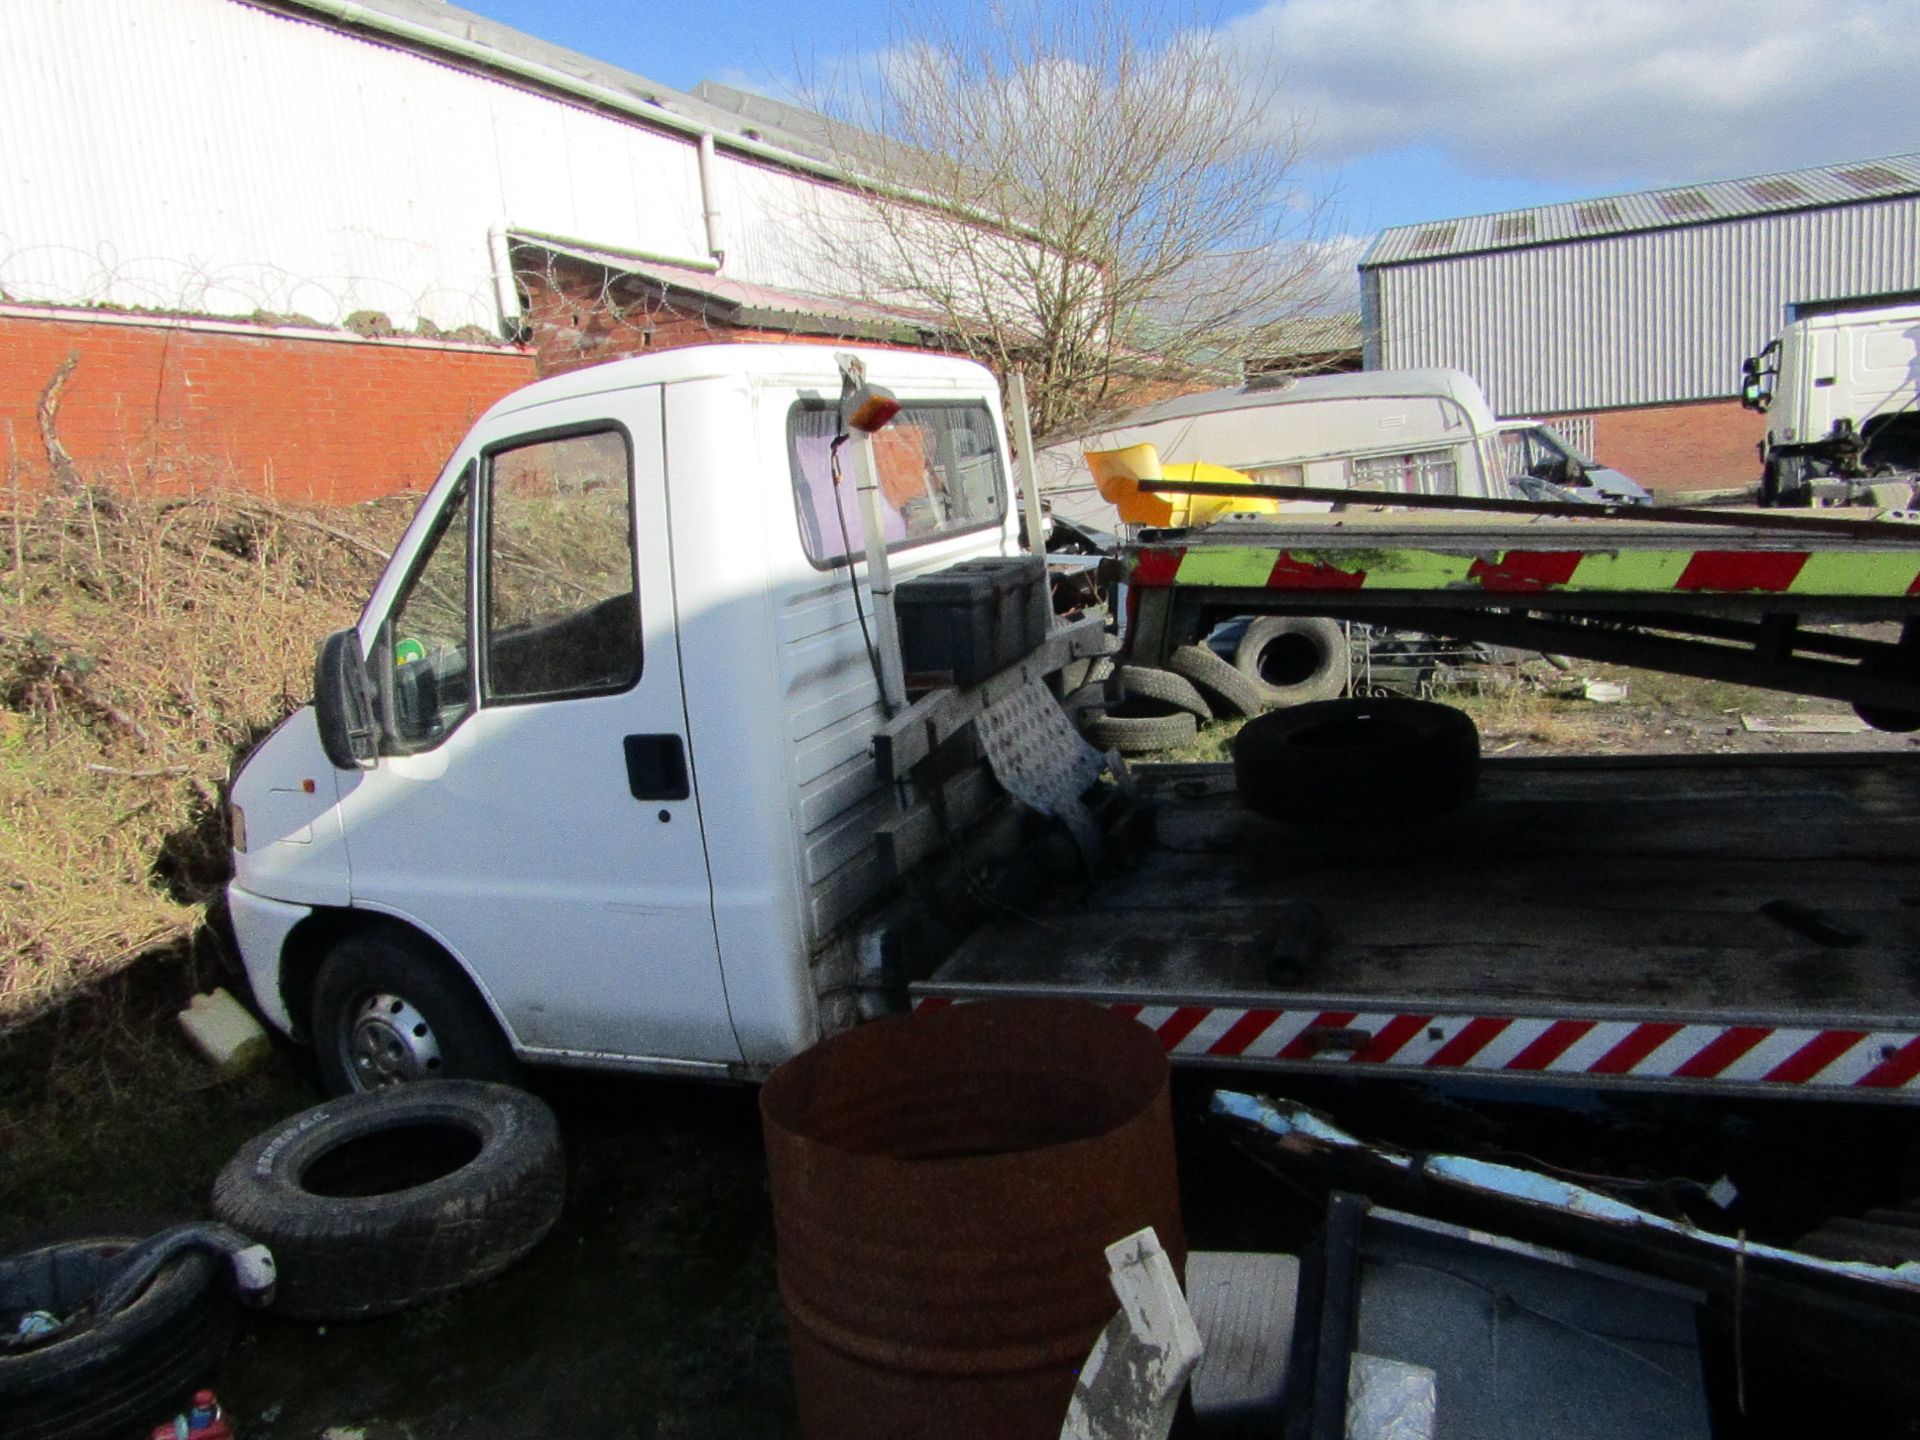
point(609, 797)
point(1539, 456)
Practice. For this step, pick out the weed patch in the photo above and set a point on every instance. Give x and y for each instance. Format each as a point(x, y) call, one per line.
point(144, 645)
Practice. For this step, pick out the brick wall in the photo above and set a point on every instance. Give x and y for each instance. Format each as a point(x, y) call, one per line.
point(1703, 446)
point(173, 406)
point(579, 314)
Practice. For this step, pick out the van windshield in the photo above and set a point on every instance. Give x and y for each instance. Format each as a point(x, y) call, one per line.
point(939, 472)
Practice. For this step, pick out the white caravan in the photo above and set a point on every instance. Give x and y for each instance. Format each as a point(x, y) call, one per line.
point(1423, 432)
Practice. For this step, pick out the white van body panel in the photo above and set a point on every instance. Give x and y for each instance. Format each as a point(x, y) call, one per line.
point(296, 850)
point(261, 927)
point(1326, 430)
point(766, 633)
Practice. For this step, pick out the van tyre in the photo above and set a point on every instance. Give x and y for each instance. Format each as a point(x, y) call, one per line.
point(1141, 734)
point(1140, 682)
point(376, 1202)
point(1226, 689)
point(389, 1008)
point(1357, 762)
point(120, 1369)
point(1293, 659)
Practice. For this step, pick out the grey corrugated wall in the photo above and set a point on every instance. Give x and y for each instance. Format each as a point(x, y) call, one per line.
point(1647, 318)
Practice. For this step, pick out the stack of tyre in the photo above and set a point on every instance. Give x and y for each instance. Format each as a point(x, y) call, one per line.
point(1277, 661)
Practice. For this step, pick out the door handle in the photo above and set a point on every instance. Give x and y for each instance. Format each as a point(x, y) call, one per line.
point(656, 767)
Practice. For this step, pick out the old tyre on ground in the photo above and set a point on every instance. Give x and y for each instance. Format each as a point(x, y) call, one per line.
point(388, 1008)
point(1357, 762)
point(375, 1202)
point(111, 1372)
point(1294, 659)
point(1141, 727)
point(1142, 682)
point(1226, 689)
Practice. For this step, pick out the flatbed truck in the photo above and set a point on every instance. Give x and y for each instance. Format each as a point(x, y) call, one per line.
point(617, 770)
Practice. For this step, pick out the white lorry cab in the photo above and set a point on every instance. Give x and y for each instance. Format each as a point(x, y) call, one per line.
point(1421, 432)
point(607, 793)
point(1840, 386)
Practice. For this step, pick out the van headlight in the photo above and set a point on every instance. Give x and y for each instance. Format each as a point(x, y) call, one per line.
point(237, 827)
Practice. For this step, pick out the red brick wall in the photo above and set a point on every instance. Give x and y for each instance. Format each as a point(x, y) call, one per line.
point(579, 315)
point(1703, 446)
point(164, 407)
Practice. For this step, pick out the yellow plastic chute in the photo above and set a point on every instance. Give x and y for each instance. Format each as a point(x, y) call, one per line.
point(1118, 473)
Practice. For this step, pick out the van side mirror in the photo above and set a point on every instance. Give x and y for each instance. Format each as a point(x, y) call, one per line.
point(343, 703)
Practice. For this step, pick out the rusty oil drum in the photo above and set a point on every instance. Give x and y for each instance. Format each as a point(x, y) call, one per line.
point(944, 1188)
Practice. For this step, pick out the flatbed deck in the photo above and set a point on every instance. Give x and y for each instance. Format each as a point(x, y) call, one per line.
point(1590, 919)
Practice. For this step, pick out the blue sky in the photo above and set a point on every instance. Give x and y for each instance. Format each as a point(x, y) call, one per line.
point(1428, 109)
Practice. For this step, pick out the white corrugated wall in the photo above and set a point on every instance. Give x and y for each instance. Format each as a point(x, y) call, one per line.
point(206, 155)
point(1639, 319)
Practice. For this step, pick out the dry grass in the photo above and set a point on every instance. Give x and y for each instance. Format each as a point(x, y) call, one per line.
point(144, 644)
point(1524, 715)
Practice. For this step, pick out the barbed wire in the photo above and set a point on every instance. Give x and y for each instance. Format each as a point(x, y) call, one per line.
point(82, 277)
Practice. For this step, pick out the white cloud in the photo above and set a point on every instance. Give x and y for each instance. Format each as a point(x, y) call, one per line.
point(1604, 92)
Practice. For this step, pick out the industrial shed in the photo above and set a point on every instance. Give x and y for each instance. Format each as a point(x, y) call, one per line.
point(1636, 310)
point(302, 244)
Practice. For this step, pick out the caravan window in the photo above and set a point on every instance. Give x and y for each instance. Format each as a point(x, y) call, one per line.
point(1419, 472)
point(939, 472)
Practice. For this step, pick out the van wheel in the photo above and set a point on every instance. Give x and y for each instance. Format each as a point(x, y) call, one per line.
point(1293, 659)
point(389, 1009)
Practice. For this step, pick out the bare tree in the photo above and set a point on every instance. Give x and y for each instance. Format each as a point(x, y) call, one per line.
point(1104, 200)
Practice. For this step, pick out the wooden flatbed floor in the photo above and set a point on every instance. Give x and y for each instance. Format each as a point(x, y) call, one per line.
point(1611, 903)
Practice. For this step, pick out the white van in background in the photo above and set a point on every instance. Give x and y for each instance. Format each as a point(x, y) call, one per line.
point(1425, 432)
point(1539, 458)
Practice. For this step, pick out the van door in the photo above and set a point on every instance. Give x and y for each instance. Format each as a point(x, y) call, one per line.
point(535, 807)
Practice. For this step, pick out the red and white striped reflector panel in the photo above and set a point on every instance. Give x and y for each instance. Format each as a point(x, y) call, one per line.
point(1648, 1049)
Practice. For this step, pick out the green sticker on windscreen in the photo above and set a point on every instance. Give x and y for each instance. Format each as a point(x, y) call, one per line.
point(408, 651)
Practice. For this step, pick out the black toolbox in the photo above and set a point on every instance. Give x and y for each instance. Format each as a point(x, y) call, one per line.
point(963, 624)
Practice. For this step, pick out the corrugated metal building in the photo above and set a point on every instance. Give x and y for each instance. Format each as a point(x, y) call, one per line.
point(387, 173)
point(1638, 309)
point(315, 158)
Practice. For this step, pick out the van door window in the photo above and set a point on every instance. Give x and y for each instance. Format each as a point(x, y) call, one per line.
point(420, 661)
point(561, 616)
